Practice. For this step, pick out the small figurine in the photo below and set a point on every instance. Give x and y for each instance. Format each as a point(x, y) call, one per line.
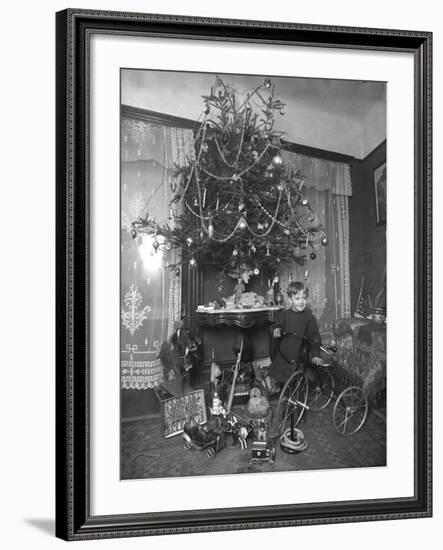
point(217, 408)
point(238, 291)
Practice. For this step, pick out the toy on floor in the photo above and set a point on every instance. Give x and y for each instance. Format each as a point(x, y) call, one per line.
point(292, 440)
point(262, 450)
point(228, 421)
point(258, 404)
point(239, 428)
point(217, 409)
point(203, 438)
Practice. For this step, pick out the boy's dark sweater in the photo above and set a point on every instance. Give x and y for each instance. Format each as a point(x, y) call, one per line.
point(302, 323)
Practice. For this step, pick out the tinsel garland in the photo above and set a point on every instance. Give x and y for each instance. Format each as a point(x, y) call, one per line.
point(247, 210)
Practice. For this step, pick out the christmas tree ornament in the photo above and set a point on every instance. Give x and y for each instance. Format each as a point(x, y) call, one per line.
point(304, 202)
point(189, 241)
point(286, 231)
point(266, 225)
point(205, 147)
point(242, 224)
point(155, 244)
point(235, 252)
point(312, 255)
point(324, 241)
point(210, 230)
point(195, 201)
point(248, 106)
point(277, 260)
point(241, 206)
point(267, 250)
point(277, 161)
point(268, 83)
point(133, 233)
point(193, 262)
point(207, 110)
point(256, 271)
point(177, 271)
point(168, 246)
point(282, 111)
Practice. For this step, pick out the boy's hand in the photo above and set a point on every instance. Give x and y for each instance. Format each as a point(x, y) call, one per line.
point(317, 361)
point(277, 332)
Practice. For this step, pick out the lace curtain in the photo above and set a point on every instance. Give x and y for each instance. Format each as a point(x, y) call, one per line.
point(150, 293)
point(328, 186)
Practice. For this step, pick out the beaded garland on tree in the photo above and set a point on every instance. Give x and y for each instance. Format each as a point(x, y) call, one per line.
point(239, 207)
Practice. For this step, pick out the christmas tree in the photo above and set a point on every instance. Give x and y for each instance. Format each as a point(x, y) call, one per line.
point(236, 207)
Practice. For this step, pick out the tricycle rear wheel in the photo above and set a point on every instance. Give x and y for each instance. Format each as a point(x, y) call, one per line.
point(350, 411)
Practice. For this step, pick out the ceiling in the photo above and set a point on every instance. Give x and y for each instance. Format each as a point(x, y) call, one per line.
point(344, 116)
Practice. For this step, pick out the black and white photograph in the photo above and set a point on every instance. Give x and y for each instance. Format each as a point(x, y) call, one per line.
point(226, 312)
point(252, 274)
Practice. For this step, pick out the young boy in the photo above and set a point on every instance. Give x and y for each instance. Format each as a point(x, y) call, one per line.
point(296, 319)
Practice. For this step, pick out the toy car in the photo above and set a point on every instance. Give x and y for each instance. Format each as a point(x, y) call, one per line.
point(200, 438)
point(262, 451)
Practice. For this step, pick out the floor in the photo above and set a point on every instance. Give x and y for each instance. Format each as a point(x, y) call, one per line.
point(146, 454)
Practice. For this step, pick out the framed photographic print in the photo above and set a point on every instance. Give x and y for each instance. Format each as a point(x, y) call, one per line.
point(232, 320)
point(380, 193)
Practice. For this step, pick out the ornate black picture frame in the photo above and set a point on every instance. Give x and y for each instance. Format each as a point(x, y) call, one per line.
point(74, 520)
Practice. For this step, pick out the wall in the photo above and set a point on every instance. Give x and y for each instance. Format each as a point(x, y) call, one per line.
point(326, 113)
point(374, 126)
point(367, 239)
point(27, 460)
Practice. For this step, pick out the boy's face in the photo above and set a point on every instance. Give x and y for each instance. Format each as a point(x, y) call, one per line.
point(298, 301)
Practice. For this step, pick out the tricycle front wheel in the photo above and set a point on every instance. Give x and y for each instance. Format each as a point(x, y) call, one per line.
point(292, 401)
